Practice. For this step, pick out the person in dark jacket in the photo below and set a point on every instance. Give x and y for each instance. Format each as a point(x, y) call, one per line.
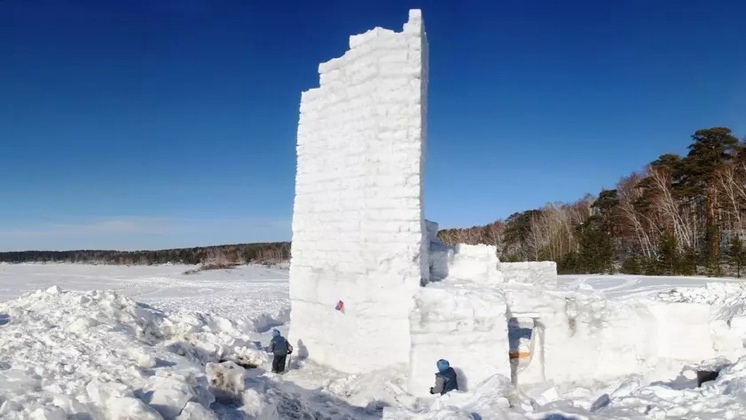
point(280, 348)
point(446, 379)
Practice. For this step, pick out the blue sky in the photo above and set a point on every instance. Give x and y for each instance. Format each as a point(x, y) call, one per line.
point(136, 124)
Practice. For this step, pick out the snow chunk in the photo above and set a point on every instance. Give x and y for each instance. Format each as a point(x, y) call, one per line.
point(474, 263)
point(226, 380)
point(98, 353)
point(54, 290)
point(194, 411)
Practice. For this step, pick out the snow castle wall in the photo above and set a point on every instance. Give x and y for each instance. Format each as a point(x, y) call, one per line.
point(464, 323)
point(588, 337)
point(359, 235)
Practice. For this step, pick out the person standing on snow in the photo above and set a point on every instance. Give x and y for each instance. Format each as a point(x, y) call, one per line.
point(445, 380)
point(280, 348)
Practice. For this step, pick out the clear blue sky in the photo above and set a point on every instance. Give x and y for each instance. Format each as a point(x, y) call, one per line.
point(159, 123)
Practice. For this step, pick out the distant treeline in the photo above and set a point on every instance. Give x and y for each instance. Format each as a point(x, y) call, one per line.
point(214, 255)
point(680, 215)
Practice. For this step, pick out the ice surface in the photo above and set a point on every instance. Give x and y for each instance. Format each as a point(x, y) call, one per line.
point(358, 230)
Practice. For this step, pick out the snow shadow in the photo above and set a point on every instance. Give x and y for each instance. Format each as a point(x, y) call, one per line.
point(4, 319)
point(266, 322)
point(302, 350)
point(463, 381)
point(192, 353)
point(517, 330)
point(160, 363)
point(285, 400)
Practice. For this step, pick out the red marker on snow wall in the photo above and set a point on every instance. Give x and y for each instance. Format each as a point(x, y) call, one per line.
point(340, 306)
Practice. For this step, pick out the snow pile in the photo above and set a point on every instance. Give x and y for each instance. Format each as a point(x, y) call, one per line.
point(681, 398)
point(103, 355)
point(226, 380)
point(494, 399)
point(728, 300)
point(463, 323)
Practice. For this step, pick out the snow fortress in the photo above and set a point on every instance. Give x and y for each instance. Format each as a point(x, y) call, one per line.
point(372, 287)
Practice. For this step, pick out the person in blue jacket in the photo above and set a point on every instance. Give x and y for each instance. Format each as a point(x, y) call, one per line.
point(446, 379)
point(280, 348)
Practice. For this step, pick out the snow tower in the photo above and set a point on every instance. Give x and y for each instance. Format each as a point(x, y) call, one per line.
point(360, 244)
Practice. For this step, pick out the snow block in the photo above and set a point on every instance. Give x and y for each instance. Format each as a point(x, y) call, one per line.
point(535, 272)
point(226, 380)
point(465, 324)
point(475, 263)
point(682, 331)
point(359, 235)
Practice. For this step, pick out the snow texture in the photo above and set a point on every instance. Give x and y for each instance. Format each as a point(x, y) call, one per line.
point(99, 353)
point(110, 369)
point(359, 235)
point(477, 264)
point(535, 272)
point(463, 323)
point(609, 339)
point(727, 310)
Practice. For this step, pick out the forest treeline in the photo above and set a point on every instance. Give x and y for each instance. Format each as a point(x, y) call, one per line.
point(680, 215)
point(216, 256)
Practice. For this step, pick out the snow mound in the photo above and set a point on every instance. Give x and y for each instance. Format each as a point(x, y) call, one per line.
point(728, 300)
point(494, 399)
point(681, 398)
point(98, 354)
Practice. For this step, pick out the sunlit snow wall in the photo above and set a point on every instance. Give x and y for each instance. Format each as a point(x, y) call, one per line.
point(359, 235)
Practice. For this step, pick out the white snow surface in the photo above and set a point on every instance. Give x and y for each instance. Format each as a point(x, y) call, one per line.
point(98, 342)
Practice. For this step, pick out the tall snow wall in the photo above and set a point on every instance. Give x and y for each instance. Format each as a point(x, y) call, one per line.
point(359, 235)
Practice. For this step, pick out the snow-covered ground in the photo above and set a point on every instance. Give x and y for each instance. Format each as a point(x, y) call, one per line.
point(99, 342)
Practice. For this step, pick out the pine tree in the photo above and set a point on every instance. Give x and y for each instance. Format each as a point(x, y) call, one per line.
point(736, 254)
point(668, 255)
point(710, 149)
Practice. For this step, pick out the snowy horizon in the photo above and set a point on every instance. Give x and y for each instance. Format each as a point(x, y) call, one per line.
point(128, 233)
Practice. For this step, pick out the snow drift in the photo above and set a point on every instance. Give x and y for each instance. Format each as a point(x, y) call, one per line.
point(101, 355)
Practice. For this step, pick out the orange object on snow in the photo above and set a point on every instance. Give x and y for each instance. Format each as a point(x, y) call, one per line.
point(520, 355)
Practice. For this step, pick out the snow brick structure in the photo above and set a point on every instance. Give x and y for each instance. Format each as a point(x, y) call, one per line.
point(362, 250)
point(358, 227)
point(372, 287)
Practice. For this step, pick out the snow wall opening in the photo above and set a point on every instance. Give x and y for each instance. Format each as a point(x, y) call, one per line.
point(359, 248)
